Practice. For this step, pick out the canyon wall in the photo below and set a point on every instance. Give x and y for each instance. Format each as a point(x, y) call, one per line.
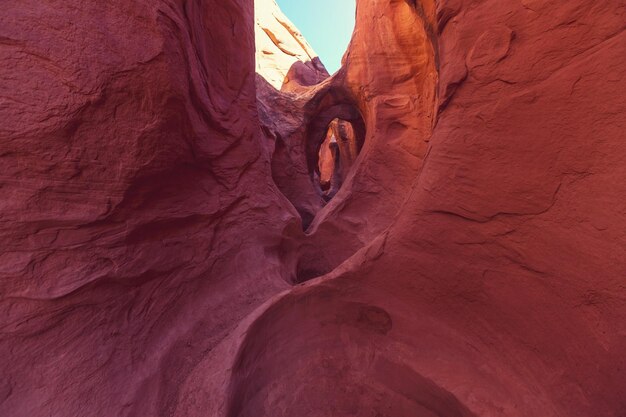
point(165, 250)
point(139, 221)
point(498, 289)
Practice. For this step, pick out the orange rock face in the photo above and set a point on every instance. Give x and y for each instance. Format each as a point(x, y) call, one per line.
point(167, 248)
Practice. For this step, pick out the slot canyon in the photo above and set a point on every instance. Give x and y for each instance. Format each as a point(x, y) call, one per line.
point(198, 220)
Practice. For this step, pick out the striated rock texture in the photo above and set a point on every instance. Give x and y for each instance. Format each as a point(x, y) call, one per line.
point(139, 222)
point(158, 208)
point(284, 58)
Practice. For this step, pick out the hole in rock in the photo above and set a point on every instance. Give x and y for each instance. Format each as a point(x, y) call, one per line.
point(336, 155)
point(335, 138)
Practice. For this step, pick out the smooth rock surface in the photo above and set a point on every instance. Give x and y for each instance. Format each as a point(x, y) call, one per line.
point(157, 206)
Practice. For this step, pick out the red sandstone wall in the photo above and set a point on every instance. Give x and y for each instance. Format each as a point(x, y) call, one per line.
point(138, 216)
point(147, 253)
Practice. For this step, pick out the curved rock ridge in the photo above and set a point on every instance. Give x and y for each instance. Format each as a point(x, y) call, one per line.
point(166, 250)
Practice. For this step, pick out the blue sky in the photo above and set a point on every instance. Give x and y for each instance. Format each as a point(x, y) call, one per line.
point(326, 24)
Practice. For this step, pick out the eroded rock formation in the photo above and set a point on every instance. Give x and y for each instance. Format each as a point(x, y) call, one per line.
point(336, 155)
point(284, 58)
point(158, 210)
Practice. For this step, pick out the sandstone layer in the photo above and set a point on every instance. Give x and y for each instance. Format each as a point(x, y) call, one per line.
point(284, 58)
point(166, 250)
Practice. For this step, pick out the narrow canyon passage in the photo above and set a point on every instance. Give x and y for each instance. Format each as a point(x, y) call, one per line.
point(199, 218)
point(382, 333)
point(336, 155)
